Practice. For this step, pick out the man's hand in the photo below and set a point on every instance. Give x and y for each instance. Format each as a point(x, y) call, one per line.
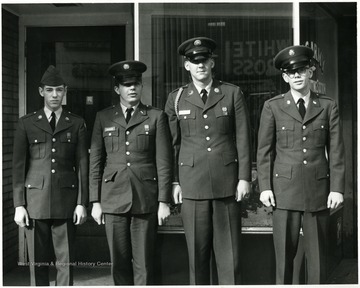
point(177, 193)
point(335, 199)
point(21, 217)
point(242, 190)
point(79, 215)
point(267, 198)
point(97, 214)
point(163, 213)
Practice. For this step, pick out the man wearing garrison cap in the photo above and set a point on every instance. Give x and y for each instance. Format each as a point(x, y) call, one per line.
point(130, 172)
point(300, 163)
point(210, 131)
point(50, 181)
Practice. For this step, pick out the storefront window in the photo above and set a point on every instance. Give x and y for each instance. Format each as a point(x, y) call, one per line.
point(318, 30)
point(248, 37)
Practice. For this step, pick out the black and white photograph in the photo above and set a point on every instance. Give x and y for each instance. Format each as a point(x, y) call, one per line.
point(179, 143)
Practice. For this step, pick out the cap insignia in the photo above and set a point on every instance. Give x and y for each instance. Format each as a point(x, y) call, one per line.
point(197, 42)
point(126, 66)
point(291, 52)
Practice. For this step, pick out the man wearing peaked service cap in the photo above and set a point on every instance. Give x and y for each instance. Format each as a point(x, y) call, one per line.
point(130, 195)
point(50, 181)
point(296, 177)
point(210, 131)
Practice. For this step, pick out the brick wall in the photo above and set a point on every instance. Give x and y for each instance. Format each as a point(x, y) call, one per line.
point(10, 114)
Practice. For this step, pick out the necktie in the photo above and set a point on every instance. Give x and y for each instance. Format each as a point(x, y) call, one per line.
point(302, 109)
point(203, 94)
point(53, 121)
point(128, 114)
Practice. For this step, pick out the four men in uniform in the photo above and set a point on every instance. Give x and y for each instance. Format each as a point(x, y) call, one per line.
point(200, 148)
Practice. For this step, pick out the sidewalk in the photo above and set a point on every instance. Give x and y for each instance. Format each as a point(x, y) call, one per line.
point(345, 273)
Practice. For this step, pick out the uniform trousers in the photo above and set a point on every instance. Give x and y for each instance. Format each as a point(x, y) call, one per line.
point(131, 239)
point(40, 235)
point(286, 233)
point(213, 226)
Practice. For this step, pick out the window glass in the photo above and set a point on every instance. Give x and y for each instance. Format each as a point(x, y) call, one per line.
point(248, 36)
point(318, 30)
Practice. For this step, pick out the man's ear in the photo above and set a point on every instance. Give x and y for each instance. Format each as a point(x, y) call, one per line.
point(117, 90)
point(212, 63)
point(41, 91)
point(285, 77)
point(187, 65)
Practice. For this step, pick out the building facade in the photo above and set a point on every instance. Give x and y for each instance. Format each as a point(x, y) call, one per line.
point(83, 39)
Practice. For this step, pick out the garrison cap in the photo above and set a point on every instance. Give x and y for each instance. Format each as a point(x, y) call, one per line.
point(293, 57)
point(199, 48)
point(52, 77)
point(129, 71)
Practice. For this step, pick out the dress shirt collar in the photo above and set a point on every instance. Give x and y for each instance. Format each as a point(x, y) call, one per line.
point(306, 99)
point(207, 88)
point(123, 108)
point(48, 112)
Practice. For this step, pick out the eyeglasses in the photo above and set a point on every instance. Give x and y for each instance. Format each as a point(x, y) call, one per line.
point(301, 71)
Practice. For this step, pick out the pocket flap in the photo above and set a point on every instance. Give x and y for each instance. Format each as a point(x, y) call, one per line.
point(187, 114)
point(68, 180)
point(110, 176)
point(320, 125)
point(36, 182)
point(148, 174)
point(322, 172)
point(186, 161)
point(283, 171)
point(68, 137)
point(285, 125)
point(37, 138)
point(229, 158)
point(111, 132)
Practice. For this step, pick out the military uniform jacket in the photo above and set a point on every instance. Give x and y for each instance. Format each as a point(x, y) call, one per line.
point(211, 142)
point(130, 163)
point(50, 169)
point(300, 160)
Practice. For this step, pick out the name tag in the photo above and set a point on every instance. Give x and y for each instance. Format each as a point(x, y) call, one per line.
point(184, 112)
point(109, 129)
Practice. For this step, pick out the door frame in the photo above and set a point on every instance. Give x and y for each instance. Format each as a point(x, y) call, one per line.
point(61, 20)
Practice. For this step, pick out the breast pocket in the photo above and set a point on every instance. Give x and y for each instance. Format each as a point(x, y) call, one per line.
point(321, 131)
point(285, 134)
point(188, 123)
point(145, 139)
point(111, 139)
point(68, 140)
point(223, 120)
point(37, 145)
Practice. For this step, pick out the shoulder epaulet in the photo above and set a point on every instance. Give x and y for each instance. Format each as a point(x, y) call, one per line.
point(325, 97)
point(177, 89)
point(227, 83)
point(72, 114)
point(29, 115)
point(277, 97)
point(152, 107)
point(108, 108)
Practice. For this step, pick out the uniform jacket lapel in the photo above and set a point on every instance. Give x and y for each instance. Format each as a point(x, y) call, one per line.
point(313, 108)
point(193, 96)
point(42, 122)
point(215, 95)
point(119, 117)
point(64, 122)
point(139, 116)
point(290, 108)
